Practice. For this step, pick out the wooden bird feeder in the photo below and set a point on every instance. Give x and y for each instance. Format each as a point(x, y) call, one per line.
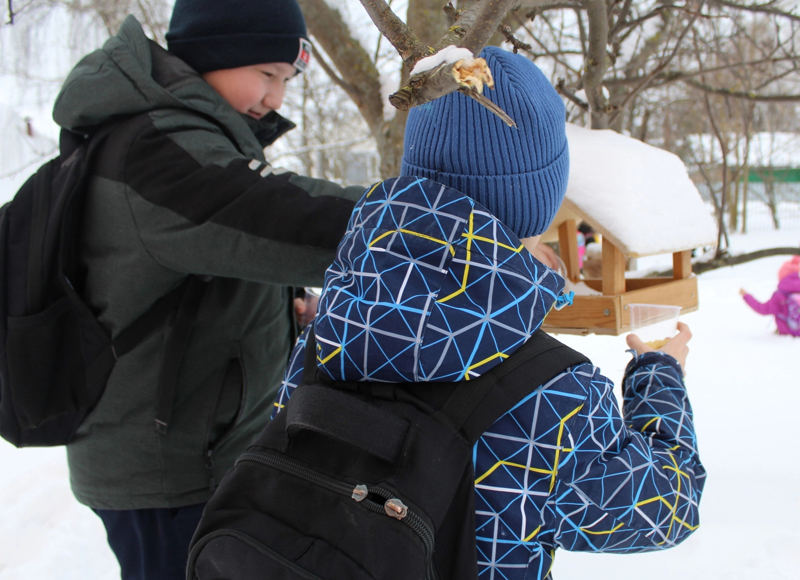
point(642, 202)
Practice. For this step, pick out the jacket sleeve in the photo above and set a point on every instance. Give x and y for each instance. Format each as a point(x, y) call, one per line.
point(201, 207)
point(294, 373)
point(771, 306)
point(632, 483)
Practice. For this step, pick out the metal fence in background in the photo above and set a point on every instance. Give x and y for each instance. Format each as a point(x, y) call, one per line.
point(760, 216)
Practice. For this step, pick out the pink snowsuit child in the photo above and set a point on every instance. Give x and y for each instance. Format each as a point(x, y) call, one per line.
point(785, 302)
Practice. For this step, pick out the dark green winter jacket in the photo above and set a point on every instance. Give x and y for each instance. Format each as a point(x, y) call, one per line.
point(182, 187)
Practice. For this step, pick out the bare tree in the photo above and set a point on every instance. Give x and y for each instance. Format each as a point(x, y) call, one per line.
point(609, 58)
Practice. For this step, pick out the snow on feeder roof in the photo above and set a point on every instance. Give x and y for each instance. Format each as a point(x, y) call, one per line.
point(642, 202)
point(636, 195)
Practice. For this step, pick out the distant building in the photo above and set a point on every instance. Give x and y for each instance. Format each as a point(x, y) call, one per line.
point(772, 160)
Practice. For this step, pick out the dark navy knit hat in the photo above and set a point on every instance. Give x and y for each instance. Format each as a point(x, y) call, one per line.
point(519, 174)
point(220, 34)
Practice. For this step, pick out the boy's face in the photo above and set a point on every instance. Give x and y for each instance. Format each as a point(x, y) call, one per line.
point(254, 90)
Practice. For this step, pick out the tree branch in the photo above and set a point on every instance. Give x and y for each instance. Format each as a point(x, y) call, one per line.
point(674, 76)
point(547, 50)
point(395, 30)
point(562, 89)
point(472, 30)
point(359, 74)
point(10, 12)
point(741, 94)
point(516, 43)
point(475, 25)
point(658, 69)
point(623, 14)
point(725, 260)
point(767, 8)
point(339, 81)
point(451, 12)
point(442, 80)
point(596, 61)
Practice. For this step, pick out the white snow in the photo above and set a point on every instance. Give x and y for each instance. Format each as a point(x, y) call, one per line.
point(742, 380)
point(637, 195)
point(580, 289)
point(20, 153)
point(448, 55)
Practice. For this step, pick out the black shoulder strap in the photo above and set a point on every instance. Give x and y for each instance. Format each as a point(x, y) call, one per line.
point(476, 404)
point(175, 347)
point(310, 357)
point(186, 298)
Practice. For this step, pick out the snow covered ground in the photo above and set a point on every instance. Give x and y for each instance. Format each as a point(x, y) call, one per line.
point(745, 388)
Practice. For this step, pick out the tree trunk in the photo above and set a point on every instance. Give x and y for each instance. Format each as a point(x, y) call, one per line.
point(597, 62)
point(745, 188)
point(734, 208)
point(769, 186)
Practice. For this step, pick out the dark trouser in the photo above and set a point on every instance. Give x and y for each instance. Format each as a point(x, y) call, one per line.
point(151, 544)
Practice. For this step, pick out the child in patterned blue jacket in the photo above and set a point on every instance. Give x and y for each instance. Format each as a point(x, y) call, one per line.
point(435, 281)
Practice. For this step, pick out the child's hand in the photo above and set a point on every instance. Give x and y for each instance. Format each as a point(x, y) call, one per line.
point(742, 292)
point(676, 347)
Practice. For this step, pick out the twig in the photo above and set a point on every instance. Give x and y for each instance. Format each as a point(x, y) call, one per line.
point(10, 12)
point(481, 20)
point(544, 47)
point(674, 76)
point(515, 42)
point(658, 70)
point(394, 29)
point(347, 87)
point(472, 92)
point(452, 12)
point(562, 89)
point(750, 96)
point(767, 8)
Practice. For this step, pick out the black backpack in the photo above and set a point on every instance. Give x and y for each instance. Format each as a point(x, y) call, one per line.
point(364, 481)
point(55, 357)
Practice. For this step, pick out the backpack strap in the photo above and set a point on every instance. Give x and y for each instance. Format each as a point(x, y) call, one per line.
point(340, 415)
point(186, 298)
point(473, 405)
point(175, 347)
point(476, 404)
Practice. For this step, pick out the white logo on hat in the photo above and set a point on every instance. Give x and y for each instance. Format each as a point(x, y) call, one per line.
point(304, 56)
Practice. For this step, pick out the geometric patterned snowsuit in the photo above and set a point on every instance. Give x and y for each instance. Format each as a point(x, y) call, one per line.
point(429, 286)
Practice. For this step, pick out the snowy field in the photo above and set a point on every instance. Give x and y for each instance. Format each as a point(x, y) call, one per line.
point(745, 388)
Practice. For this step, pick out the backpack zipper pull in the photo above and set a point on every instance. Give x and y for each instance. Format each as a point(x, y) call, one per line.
point(395, 508)
point(360, 492)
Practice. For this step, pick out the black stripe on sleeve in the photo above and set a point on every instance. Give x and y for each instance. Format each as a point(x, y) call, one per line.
point(235, 196)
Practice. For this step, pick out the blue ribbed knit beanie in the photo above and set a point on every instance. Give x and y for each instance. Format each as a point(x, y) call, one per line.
point(220, 34)
point(519, 174)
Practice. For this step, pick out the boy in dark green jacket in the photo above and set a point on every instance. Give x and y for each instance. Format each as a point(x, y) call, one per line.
point(182, 188)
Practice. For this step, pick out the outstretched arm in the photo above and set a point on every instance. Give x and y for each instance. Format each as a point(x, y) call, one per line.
point(771, 306)
point(632, 483)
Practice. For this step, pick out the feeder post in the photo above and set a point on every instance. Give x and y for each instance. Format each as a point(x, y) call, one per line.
point(613, 269)
point(682, 265)
point(568, 244)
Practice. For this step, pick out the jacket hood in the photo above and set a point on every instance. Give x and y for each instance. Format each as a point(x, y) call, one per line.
point(427, 285)
point(790, 284)
point(131, 75)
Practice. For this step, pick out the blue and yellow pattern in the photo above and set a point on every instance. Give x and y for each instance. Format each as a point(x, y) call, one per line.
point(427, 285)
